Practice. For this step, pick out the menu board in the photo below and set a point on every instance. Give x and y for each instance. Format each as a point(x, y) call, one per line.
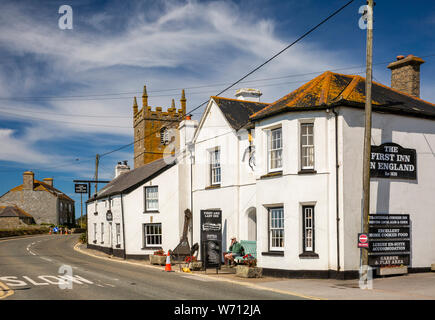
point(211, 238)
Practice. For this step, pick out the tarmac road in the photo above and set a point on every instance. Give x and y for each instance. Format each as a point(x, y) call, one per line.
point(30, 269)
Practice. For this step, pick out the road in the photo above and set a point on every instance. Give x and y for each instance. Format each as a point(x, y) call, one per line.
point(30, 269)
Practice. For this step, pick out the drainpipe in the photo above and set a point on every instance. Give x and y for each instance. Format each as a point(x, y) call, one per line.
point(123, 228)
point(191, 199)
point(337, 189)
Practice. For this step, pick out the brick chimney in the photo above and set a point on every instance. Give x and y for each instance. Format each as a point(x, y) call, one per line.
point(405, 74)
point(28, 179)
point(49, 181)
point(248, 94)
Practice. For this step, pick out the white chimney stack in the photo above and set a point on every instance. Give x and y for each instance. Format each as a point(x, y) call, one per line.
point(248, 94)
point(121, 167)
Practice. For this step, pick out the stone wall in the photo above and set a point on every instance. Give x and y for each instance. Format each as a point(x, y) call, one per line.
point(42, 205)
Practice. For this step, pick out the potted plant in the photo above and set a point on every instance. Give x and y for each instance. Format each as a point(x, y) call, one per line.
point(249, 268)
point(193, 263)
point(158, 257)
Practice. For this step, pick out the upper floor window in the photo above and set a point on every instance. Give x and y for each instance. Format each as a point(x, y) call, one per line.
point(151, 198)
point(215, 167)
point(275, 149)
point(307, 146)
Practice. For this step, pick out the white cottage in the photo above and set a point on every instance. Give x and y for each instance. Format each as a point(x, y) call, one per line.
point(309, 147)
point(223, 171)
point(142, 210)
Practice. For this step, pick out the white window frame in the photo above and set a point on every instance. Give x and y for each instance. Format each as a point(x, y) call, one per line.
point(307, 146)
point(118, 233)
point(270, 150)
point(308, 227)
point(102, 232)
point(276, 224)
point(215, 166)
point(150, 237)
point(156, 199)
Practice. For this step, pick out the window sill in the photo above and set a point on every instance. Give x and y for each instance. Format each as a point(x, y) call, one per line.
point(273, 253)
point(118, 246)
point(309, 255)
point(272, 174)
point(151, 211)
point(307, 171)
point(152, 248)
point(213, 186)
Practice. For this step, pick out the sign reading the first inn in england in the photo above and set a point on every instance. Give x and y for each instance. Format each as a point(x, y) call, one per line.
point(390, 160)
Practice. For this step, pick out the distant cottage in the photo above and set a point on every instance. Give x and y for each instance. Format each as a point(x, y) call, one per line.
point(41, 200)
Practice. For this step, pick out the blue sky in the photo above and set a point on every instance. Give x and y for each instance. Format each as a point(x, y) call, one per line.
point(66, 95)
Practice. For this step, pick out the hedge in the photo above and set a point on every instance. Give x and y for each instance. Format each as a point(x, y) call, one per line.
point(21, 232)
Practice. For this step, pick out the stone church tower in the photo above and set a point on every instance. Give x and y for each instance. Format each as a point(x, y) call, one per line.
point(151, 129)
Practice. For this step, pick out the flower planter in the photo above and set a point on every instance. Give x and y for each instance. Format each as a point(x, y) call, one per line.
point(195, 265)
point(249, 272)
point(159, 260)
point(393, 271)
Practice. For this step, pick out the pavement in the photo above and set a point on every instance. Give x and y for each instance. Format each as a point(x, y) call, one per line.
point(416, 286)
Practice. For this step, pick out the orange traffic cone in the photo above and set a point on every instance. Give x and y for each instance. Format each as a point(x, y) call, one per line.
point(168, 264)
point(50, 231)
point(60, 231)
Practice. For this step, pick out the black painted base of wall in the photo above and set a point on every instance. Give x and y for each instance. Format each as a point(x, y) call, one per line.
point(115, 252)
point(311, 274)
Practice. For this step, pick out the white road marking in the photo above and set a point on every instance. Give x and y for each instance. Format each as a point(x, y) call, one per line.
point(196, 278)
point(110, 285)
point(44, 258)
point(47, 280)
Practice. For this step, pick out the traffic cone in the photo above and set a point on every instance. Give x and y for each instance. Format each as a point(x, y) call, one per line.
point(50, 231)
point(168, 264)
point(60, 231)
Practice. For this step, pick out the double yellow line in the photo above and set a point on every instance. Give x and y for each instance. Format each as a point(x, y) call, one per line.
point(5, 291)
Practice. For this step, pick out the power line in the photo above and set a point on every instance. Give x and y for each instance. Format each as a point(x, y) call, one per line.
point(249, 73)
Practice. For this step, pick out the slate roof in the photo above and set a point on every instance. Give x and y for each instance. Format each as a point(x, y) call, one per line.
point(42, 186)
point(236, 111)
point(333, 89)
point(132, 179)
point(13, 211)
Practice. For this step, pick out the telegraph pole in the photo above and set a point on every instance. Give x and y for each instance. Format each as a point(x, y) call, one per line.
point(97, 161)
point(367, 132)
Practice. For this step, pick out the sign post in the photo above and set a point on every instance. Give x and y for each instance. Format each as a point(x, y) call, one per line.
point(81, 188)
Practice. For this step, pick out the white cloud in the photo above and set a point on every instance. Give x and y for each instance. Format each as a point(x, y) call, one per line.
point(179, 45)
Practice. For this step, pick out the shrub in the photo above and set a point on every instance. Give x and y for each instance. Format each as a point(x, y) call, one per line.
point(159, 252)
point(250, 261)
point(83, 238)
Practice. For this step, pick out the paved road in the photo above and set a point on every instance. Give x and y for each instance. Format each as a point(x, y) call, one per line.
point(29, 269)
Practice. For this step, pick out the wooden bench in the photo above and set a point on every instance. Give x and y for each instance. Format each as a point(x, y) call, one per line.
point(249, 247)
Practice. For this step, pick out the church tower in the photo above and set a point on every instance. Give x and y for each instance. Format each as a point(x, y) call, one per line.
point(151, 128)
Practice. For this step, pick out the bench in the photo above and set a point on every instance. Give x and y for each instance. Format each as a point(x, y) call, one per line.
point(249, 247)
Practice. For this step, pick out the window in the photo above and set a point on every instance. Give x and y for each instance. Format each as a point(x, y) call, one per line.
point(152, 234)
point(164, 136)
point(276, 229)
point(275, 149)
point(308, 228)
point(118, 233)
point(215, 167)
point(307, 146)
point(95, 232)
point(102, 232)
point(151, 198)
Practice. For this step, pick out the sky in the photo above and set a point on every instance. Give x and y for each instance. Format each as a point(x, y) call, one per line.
point(67, 94)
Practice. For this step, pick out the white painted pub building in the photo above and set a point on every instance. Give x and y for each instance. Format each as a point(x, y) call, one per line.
point(288, 174)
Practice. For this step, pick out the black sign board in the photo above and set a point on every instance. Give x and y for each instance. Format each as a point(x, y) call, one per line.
point(389, 246)
point(389, 220)
point(81, 188)
point(388, 233)
point(211, 238)
point(389, 260)
point(390, 160)
point(390, 240)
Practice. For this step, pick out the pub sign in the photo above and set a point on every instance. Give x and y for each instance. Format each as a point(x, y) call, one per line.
point(390, 160)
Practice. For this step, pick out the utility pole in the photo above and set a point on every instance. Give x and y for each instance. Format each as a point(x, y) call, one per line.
point(97, 161)
point(367, 132)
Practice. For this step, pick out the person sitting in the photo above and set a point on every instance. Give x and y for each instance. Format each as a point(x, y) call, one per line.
point(234, 251)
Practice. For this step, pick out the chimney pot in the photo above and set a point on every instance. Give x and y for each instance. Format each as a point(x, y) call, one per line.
point(400, 57)
point(48, 181)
